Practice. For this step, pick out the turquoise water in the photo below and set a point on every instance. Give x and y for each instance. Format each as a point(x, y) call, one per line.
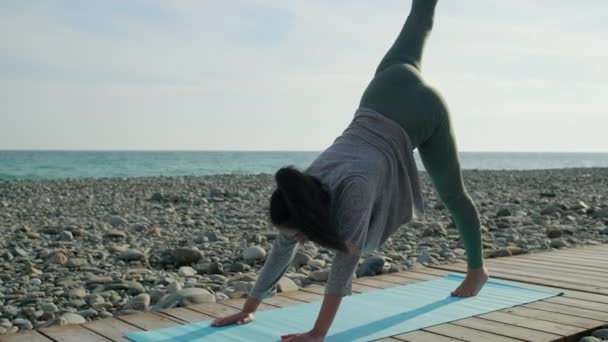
point(88, 164)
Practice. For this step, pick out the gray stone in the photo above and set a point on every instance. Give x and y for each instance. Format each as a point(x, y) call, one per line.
point(500, 252)
point(189, 296)
point(589, 339)
point(132, 287)
point(434, 229)
point(215, 268)
point(254, 253)
point(115, 234)
point(66, 236)
point(601, 334)
point(140, 302)
point(186, 271)
point(425, 259)
point(320, 275)
point(88, 313)
point(118, 221)
point(70, 318)
point(551, 209)
point(372, 266)
point(300, 259)
point(318, 263)
point(553, 233)
point(77, 262)
point(77, 293)
point(23, 324)
point(239, 267)
point(49, 307)
point(558, 243)
point(503, 212)
point(186, 256)
point(600, 214)
point(286, 285)
point(132, 255)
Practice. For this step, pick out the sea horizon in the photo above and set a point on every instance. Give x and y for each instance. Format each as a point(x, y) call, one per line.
point(60, 164)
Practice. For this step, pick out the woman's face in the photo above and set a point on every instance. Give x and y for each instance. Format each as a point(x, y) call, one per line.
point(294, 234)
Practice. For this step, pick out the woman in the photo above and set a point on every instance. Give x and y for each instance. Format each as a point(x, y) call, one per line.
point(365, 185)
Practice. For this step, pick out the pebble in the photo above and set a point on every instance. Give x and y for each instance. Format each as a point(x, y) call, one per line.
point(287, 285)
point(372, 266)
point(140, 302)
point(71, 318)
point(320, 275)
point(118, 221)
point(254, 253)
point(589, 339)
point(187, 271)
point(132, 255)
point(558, 243)
point(23, 324)
point(186, 256)
point(602, 334)
point(189, 296)
point(85, 241)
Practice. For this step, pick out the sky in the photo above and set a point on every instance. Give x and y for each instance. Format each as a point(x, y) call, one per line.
point(517, 75)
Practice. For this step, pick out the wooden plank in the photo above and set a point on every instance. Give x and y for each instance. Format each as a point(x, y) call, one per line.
point(578, 303)
point(238, 303)
point(586, 296)
point(468, 334)
point(508, 330)
point(369, 281)
point(280, 301)
point(425, 336)
point(149, 321)
point(534, 280)
point(303, 296)
point(592, 280)
point(566, 260)
point(568, 310)
point(583, 255)
point(581, 322)
point(415, 275)
point(214, 309)
point(185, 315)
point(536, 324)
point(25, 336)
point(396, 279)
point(543, 263)
point(111, 328)
point(318, 289)
point(72, 333)
point(358, 288)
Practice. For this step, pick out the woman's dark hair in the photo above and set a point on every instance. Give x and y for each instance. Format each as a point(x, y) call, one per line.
point(301, 203)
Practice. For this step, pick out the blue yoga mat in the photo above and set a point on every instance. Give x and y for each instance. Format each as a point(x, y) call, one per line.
point(367, 316)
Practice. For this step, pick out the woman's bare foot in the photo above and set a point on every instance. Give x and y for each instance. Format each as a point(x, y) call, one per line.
point(472, 283)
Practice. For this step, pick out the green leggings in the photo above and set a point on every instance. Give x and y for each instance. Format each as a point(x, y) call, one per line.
point(399, 92)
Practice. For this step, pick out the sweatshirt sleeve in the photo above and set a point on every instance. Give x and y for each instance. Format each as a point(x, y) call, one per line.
point(278, 261)
point(353, 216)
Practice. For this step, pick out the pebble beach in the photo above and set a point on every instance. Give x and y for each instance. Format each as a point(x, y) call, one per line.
point(74, 250)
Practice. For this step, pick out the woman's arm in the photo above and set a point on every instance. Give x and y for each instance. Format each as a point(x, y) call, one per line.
point(278, 261)
point(353, 216)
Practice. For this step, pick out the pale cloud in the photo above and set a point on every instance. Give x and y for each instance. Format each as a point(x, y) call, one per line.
point(262, 74)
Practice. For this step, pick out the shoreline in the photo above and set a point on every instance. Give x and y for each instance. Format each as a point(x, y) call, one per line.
point(81, 249)
point(420, 171)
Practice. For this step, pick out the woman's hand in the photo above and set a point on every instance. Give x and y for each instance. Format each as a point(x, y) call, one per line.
point(303, 337)
point(242, 317)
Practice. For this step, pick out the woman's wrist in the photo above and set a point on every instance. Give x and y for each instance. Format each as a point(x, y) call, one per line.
point(251, 305)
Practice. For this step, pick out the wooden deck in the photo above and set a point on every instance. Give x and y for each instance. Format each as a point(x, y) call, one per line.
point(582, 274)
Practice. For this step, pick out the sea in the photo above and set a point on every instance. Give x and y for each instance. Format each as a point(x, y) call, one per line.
point(40, 165)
